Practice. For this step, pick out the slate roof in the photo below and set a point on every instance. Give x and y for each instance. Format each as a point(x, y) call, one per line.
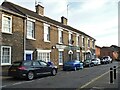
point(26, 12)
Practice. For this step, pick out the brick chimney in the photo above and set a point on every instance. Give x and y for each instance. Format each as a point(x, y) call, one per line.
point(64, 20)
point(40, 9)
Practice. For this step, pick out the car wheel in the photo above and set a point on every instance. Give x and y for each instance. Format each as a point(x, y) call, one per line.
point(75, 68)
point(53, 72)
point(89, 65)
point(30, 75)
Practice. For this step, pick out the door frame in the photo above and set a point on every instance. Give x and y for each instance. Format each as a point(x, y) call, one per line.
point(28, 52)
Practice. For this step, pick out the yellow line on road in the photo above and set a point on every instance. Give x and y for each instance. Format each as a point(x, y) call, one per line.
point(93, 80)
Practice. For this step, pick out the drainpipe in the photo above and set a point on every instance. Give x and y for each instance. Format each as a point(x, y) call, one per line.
point(24, 37)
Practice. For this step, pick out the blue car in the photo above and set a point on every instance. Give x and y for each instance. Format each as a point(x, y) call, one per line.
point(72, 65)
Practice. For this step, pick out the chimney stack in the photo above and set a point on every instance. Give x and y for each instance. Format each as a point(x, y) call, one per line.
point(40, 9)
point(64, 20)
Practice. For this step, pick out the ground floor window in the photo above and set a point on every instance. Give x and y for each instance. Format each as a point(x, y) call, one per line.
point(45, 56)
point(60, 58)
point(78, 55)
point(5, 55)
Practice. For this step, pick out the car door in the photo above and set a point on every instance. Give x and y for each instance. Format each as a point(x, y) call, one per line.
point(37, 67)
point(45, 67)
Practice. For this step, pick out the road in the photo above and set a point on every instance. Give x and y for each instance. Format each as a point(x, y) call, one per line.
point(64, 79)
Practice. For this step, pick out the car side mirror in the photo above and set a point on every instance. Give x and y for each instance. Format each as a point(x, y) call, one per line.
point(48, 64)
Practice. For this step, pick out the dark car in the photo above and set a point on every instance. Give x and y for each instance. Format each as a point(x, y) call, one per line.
point(88, 63)
point(31, 69)
point(72, 65)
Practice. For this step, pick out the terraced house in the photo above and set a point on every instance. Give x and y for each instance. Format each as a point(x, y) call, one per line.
point(29, 35)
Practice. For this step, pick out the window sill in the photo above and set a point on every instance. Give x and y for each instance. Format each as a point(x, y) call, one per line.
point(31, 38)
point(60, 63)
point(5, 64)
point(83, 46)
point(7, 33)
point(60, 42)
point(70, 45)
point(47, 41)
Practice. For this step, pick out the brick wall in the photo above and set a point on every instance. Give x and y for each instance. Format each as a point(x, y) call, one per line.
point(106, 52)
point(15, 40)
point(97, 51)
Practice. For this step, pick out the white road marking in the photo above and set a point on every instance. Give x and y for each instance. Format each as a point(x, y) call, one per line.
point(94, 80)
point(17, 83)
point(3, 86)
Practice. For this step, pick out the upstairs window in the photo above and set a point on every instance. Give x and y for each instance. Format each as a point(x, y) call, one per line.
point(46, 32)
point(60, 35)
point(30, 29)
point(83, 41)
point(88, 42)
point(6, 24)
point(77, 40)
point(93, 44)
point(70, 38)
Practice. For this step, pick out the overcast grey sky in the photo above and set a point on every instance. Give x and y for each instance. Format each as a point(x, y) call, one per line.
point(97, 18)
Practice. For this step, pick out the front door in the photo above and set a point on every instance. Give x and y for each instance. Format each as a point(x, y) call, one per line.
point(28, 56)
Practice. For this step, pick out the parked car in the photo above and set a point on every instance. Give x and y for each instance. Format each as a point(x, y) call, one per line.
point(109, 59)
point(88, 63)
point(98, 60)
point(31, 69)
point(95, 61)
point(106, 60)
point(72, 65)
point(103, 60)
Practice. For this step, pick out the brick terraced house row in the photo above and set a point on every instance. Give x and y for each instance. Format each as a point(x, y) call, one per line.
point(29, 35)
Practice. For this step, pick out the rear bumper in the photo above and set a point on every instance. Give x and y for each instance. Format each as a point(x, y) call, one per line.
point(19, 74)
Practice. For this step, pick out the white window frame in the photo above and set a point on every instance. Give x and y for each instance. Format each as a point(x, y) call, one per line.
point(77, 40)
point(88, 42)
point(44, 54)
point(33, 33)
point(93, 43)
point(60, 58)
point(83, 42)
point(46, 32)
point(9, 32)
point(78, 56)
point(70, 38)
point(60, 36)
point(2, 55)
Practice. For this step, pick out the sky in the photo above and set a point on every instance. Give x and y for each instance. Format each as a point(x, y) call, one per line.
point(97, 18)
